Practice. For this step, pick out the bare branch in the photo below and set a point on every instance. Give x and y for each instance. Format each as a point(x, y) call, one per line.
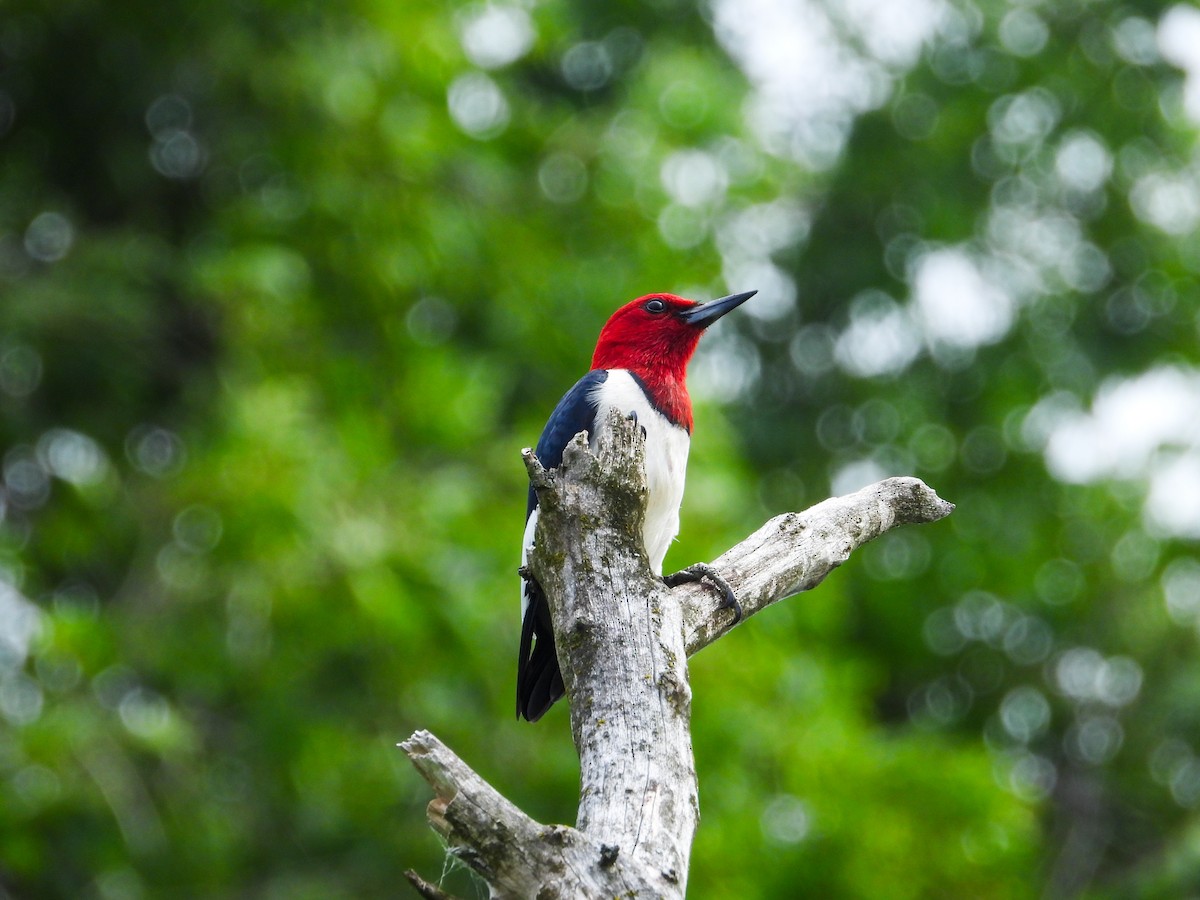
point(794, 552)
point(623, 639)
point(620, 648)
point(513, 853)
point(426, 889)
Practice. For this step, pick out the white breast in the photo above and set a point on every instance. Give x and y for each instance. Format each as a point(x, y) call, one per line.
point(666, 460)
point(666, 465)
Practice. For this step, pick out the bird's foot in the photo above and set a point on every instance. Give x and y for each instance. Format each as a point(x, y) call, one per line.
point(701, 571)
point(633, 417)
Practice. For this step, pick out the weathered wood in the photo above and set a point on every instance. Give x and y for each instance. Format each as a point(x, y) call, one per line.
point(623, 639)
point(518, 857)
point(794, 552)
point(426, 889)
point(620, 647)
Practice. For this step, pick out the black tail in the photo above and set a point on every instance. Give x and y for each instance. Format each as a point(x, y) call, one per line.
point(539, 681)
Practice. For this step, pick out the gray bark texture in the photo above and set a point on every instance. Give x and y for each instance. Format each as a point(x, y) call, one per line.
point(623, 640)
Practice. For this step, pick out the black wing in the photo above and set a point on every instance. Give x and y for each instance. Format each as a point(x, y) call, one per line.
point(575, 412)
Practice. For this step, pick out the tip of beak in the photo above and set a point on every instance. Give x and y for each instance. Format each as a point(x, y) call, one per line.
point(738, 299)
point(705, 314)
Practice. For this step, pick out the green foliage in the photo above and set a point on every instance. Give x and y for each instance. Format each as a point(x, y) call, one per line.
point(284, 288)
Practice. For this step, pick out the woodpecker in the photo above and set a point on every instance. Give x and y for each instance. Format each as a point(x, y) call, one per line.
point(640, 369)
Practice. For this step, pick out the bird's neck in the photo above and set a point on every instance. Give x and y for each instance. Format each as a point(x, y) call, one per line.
point(659, 364)
point(667, 393)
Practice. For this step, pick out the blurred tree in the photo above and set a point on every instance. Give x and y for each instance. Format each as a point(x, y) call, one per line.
point(285, 286)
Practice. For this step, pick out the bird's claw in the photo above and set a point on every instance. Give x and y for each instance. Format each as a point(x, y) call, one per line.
point(633, 417)
point(701, 571)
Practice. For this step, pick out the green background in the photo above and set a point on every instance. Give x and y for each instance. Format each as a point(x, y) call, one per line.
point(285, 287)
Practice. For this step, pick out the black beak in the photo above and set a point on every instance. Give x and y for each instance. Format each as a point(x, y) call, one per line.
point(706, 313)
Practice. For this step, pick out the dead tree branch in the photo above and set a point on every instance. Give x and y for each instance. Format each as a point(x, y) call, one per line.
point(623, 641)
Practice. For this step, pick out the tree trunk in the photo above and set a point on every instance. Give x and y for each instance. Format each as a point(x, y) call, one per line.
point(623, 639)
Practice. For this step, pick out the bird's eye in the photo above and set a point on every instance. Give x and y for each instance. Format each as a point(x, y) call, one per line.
point(655, 306)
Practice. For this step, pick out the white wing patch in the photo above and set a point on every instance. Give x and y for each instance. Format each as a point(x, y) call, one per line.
point(526, 547)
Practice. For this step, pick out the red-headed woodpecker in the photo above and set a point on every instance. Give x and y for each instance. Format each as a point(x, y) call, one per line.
point(640, 369)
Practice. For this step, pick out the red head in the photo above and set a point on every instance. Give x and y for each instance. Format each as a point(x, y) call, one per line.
point(654, 337)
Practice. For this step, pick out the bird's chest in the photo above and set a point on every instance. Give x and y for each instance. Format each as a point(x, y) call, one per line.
point(667, 447)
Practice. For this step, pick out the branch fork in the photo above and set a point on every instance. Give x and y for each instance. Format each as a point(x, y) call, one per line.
point(623, 639)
